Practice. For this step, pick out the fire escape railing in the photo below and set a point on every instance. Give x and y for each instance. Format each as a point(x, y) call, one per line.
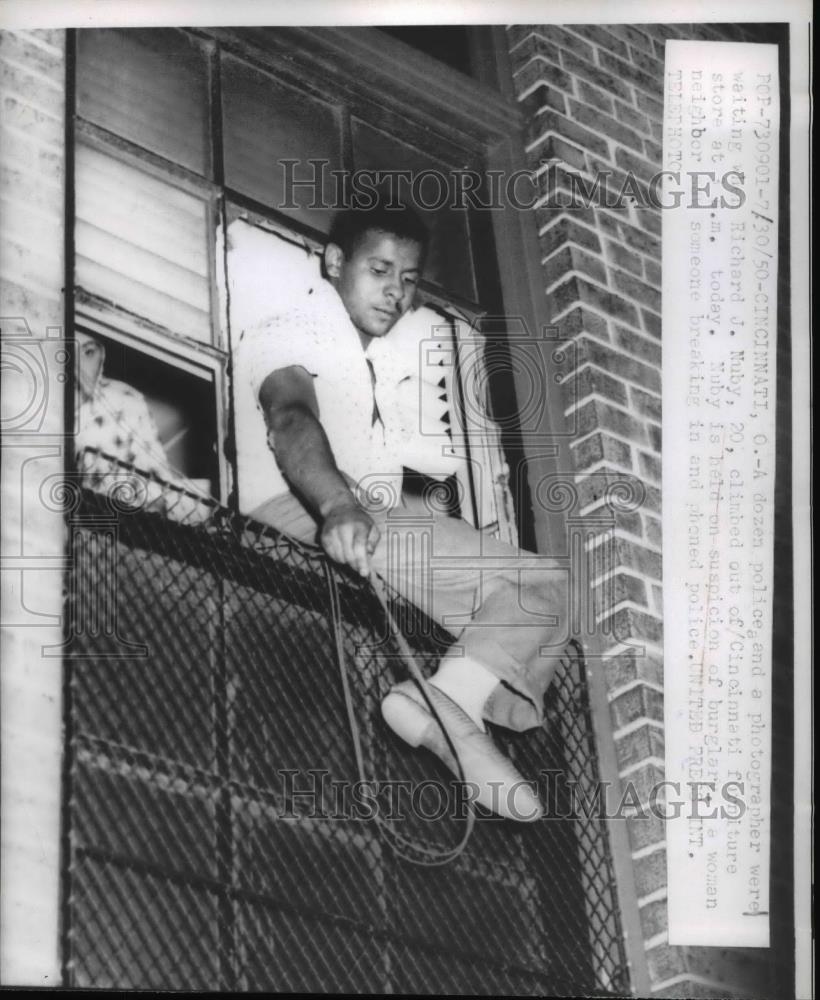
point(218, 832)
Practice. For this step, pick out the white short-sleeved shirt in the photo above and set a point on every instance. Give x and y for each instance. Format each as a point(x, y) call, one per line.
point(317, 334)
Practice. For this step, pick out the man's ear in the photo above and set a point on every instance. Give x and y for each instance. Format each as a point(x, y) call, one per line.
point(334, 258)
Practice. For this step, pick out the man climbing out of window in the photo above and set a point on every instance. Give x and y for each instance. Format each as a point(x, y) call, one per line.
point(114, 422)
point(321, 377)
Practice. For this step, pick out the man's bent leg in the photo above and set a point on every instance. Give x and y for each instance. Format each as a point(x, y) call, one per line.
point(504, 605)
point(520, 627)
point(495, 782)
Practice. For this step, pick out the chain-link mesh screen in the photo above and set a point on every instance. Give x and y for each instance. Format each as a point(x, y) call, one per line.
point(219, 831)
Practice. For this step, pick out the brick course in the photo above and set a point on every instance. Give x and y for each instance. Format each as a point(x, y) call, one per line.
point(623, 668)
point(601, 448)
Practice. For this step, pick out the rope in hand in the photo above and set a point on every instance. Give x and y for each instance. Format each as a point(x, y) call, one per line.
point(411, 850)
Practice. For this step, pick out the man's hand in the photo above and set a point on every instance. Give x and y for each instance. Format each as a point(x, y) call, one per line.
point(349, 535)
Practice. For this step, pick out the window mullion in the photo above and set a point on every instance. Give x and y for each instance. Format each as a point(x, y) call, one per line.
point(152, 163)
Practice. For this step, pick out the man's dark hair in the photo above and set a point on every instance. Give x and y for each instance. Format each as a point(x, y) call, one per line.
point(350, 226)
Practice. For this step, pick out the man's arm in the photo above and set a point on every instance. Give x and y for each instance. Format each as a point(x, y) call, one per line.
point(303, 452)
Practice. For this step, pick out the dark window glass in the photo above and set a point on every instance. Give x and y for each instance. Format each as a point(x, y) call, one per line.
point(149, 86)
point(449, 263)
point(449, 43)
point(266, 123)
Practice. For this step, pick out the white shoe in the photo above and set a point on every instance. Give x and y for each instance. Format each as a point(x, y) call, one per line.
point(500, 787)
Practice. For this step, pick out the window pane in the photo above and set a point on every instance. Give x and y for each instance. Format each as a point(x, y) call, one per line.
point(265, 123)
point(449, 43)
point(449, 263)
point(149, 86)
point(183, 406)
point(142, 244)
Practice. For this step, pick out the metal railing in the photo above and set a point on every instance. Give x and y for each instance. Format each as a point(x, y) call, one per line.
point(218, 831)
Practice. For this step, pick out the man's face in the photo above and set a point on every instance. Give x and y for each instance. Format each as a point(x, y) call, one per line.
point(90, 355)
point(377, 282)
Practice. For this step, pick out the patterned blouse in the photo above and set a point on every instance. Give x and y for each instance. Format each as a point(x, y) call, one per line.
point(116, 421)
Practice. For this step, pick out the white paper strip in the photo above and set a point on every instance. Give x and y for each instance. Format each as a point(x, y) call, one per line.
point(719, 338)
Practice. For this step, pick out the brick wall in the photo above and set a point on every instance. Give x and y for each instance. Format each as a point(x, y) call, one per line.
point(593, 100)
point(32, 72)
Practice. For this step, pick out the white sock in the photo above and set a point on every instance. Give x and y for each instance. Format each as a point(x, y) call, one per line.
point(468, 683)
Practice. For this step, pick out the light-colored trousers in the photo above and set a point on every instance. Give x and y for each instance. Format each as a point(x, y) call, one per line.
point(507, 608)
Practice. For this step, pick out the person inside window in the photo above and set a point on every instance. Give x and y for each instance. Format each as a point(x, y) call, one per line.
point(319, 455)
point(114, 424)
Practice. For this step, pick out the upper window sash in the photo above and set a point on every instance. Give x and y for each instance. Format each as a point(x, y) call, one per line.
point(150, 86)
point(143, 244)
